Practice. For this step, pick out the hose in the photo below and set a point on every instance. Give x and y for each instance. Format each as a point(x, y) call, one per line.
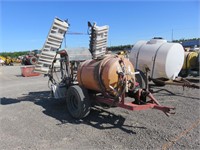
point(122, 77)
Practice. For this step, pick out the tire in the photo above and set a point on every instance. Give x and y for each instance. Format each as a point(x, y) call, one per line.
point(159, 82)
point(33, 60)
point(183, 73)
point(141, 79)
point(78, 102)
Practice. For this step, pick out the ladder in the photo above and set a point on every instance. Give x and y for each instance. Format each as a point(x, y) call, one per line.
point(51, 46)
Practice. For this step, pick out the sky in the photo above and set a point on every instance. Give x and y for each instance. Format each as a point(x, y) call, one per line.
point(24, 25)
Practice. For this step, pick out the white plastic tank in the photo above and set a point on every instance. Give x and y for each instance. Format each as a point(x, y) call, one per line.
point(164, 59)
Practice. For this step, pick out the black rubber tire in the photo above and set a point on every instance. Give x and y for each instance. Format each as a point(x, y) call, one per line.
point(33, 60)
point(78, 102)
point(141, 79)
point(184, 73)
point(159, 81)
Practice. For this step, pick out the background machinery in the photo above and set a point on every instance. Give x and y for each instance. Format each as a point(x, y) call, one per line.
point(31, 58)
point(191, 64)
point(160, 61)
point(8, 61)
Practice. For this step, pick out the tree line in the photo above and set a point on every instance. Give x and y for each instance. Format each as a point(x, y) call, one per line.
point(111, 48)
point(183, 40)
point(13, 54)
point(20, 53)
point(119, 48)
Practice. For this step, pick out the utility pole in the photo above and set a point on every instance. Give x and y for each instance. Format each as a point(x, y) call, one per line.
point(172, 35)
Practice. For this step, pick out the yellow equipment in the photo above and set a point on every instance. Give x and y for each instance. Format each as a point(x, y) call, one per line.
point(6, 60)
point(190, 61)
point(190, 64)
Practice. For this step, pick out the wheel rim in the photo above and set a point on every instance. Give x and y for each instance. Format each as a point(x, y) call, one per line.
point(34, 60)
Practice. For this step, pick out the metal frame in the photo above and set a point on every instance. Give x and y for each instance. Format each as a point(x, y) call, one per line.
point(135, 107)
point(178, 81)
point(121, 102)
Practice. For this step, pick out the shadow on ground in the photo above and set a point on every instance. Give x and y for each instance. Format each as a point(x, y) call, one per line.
point(98, 117)
point(161, 90)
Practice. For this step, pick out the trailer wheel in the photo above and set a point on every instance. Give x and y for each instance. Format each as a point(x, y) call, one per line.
point(78, 102)
point(141, 79)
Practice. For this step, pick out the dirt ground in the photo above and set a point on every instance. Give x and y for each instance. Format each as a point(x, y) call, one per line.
point(31, 119)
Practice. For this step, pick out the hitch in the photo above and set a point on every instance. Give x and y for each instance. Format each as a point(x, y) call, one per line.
point(151, 104)
point(167, 110)
point(158, 106)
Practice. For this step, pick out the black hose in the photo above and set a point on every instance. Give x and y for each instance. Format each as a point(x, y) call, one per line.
point(102, 87)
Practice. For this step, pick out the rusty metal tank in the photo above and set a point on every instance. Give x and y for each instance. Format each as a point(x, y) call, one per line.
point(103, 75)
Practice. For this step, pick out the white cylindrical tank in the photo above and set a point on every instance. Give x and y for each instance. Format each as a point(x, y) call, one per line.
point(164, 59)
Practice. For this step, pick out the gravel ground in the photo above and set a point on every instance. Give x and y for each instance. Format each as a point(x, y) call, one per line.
point(30, 119)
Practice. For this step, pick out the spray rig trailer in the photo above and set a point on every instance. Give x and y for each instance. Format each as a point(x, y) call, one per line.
point(105, 79)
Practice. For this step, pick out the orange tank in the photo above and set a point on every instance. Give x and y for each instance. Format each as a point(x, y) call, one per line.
point(103, 75)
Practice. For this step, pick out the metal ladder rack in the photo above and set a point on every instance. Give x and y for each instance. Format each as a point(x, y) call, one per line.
point(51, 46)
point(98, 40)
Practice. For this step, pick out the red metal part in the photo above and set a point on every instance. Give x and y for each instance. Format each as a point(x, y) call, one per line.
point(28, 71)
point(62, 53)
point(133, 107)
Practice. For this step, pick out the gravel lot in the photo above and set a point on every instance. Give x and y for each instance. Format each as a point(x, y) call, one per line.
point(30, 119)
